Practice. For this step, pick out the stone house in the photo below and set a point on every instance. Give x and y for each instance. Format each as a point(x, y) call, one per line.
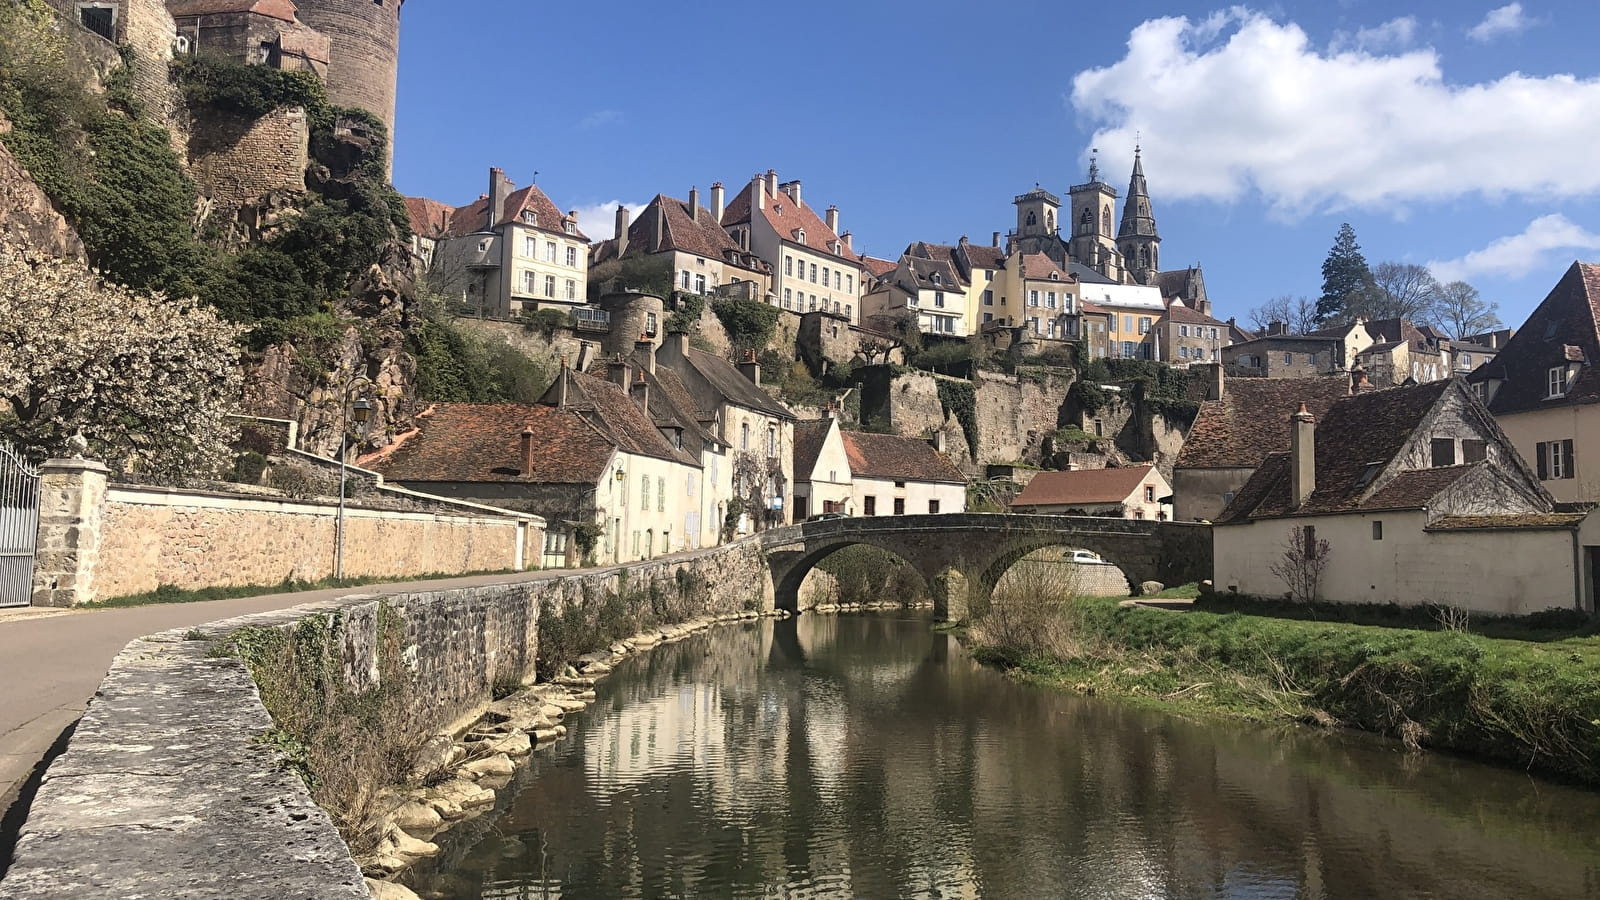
point(893, 475)
point(1239, 423)
point(1094, 323)
point(687, 242)
point(1133, 492)
point(1411, 495)
point(1544, 390)
point(1278, 354)
point(1189, 336)
point(757, 429)
point(812, 264)
point(1043, 296)
point(823, 481)
point(256, 32)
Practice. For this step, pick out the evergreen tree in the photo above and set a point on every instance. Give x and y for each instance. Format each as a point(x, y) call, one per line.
point(1344, 275)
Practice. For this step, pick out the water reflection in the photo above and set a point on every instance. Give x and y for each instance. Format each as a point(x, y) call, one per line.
point(862, 756)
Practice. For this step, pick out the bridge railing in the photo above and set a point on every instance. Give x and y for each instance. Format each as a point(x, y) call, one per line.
point(996, 522)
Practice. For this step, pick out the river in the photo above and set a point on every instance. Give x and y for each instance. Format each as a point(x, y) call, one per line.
point(865, 756)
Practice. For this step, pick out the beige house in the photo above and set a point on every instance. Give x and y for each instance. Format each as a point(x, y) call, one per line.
point(1043, 296)
point(1133, 492)
point(1188, 336)
point(823, 481)
point(813, 267)
point(512, 250)
point(1544, 390)
point(1409, 496)
point(928, 290)
point(901, 476)
point(686, 242)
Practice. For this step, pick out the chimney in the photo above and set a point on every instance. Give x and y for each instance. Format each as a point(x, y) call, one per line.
point(694, 204)
point(772, 182)
point(995, 241)
point(716, 202)
point(758, 192)
point(1358, 380)
point(938, 440)
point(658, 229)
point(585, 350)
point(622, 233)
point(832, 214)
point(644, 354)
point(1216, 389)
point(674, 349)
point(846, 238)
point(749, 368)
point(561, 383)
point(641, 390)
point(1277, 328)
point(1302, 456)
point(499, 192)
point(527, 450)
point(617, 371)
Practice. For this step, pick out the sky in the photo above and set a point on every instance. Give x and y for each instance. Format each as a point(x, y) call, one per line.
point(1456, 134)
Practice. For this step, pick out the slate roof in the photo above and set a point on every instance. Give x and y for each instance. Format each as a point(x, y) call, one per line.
point(809, 436)
point(726, 380)
point(276, 9)
point(1179, 282)
point(472, 218)
point(1252, 419)
point(921, 272)
point(788, 219)
point(1082, 486)
point(1087, 275)
point(890, 456)
point(429, 218)
point(1564, 328)
point(482, 442)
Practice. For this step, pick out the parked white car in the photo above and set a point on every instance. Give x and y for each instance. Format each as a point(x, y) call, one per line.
point(1085, 558)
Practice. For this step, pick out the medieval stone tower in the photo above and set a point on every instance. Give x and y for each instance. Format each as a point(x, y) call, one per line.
point(1091, 242)
point(364, 39)
point(1137, 238)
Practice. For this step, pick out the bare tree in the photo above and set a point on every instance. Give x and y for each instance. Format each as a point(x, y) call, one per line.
point(1304, 559)
point(1463, 312)
point(1399, 291)
point(1298, 314)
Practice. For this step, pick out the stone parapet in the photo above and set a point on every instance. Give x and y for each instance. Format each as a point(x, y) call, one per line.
point(72, 496)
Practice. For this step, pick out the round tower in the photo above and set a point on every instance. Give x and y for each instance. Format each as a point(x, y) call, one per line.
point(364, 43)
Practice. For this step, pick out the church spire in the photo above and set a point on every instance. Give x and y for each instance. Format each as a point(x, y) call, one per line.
point(1137, 237)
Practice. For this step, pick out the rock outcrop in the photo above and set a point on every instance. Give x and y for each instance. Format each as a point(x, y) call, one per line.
point(27, 217)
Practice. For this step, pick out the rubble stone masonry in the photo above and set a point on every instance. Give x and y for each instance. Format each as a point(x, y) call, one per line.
point(236, 158)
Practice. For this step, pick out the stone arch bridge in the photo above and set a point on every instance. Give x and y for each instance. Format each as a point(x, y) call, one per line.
point(963, 553)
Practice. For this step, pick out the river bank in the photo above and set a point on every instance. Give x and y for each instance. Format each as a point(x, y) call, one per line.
point(1533, 705)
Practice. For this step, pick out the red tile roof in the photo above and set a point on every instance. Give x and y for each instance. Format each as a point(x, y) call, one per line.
point(429, 218)
point(983, 256)
point(789, 220)
point(276, 9)
point(1252, 420)
point(1564, 326)
point(472, 217)
point(1037, 265)
point(1083, 486)
point(890, 456)
point(682, 232)
point(615, 414)
point(878, 267)
point(482, 442)
point(1177, 312)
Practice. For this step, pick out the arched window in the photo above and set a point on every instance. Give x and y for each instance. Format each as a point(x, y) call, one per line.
point(1050, 221)
point(1032, 219)
point(1105, 221)
point(1086, 221)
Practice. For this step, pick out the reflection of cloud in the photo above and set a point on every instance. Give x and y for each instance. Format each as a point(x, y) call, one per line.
point(1507, 19)
point(601, 117)
point(1515, 255)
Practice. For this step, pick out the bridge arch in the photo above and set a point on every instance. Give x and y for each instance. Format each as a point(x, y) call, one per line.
point(1021, 548)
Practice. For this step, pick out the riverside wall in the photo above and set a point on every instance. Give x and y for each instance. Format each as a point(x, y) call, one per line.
point(167, 789)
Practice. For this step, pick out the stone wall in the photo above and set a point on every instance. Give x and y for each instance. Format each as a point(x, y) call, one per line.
point(1014, 414)
point(99, 542)
point(166, 789)
point(235, 158)
point(364, 51)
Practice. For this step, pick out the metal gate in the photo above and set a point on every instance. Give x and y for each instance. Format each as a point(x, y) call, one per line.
point(19, 526)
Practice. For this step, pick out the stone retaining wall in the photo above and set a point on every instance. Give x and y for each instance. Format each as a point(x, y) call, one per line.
point(166, 791)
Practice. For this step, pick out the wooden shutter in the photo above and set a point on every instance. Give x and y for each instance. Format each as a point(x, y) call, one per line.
point(1541, 454)
point(1570, 469)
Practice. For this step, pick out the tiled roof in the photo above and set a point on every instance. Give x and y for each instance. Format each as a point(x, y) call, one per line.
point(788, 219)
point(1177, 312)
point(983, 256)
point(1087, 307)
point(925, 250)
point(1037, 265)
point(276, 9)
point(1568, 317)
point(1082, 486)
point(890, 456)
point(682, 232)
point(471, 218)
point(429, 218)
point(482, 442)
point(1252, 419)
point(726, 380)
point(878, 267)
point(809, 436)
point(614, 413)
point(1530, 520)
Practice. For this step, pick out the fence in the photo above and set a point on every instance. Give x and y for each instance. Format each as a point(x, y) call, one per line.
point(19, 526)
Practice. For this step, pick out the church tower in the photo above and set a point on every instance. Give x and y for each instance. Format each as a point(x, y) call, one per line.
point(1036, 213)
point(1137, 237)
point(1092, 243)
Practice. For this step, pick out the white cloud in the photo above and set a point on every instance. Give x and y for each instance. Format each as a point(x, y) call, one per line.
point(1394, 34)
point(1540, 247)
point(1507, 19)
point(600, 118)
point(599, 220)
point(1254, 108)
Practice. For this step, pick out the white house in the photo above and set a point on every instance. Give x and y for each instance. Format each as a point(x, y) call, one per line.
point(822, 479)
point(1131, 492)
point(901, 476)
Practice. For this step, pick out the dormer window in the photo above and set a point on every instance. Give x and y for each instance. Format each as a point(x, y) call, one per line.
point(1558, 381)
point(937, 279)
point(1055, 276)
point(800, 235)
point(571, 227)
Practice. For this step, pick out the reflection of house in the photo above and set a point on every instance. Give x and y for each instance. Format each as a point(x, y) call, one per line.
point(1544, 389)
point(1134, 492)
point(822, 482)
point(893, 475)
point(1237, 426)
point(1411, 495)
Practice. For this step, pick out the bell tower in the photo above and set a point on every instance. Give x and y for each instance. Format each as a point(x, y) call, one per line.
point(1137, 237)
point(1092, 243)
point(1037, 212)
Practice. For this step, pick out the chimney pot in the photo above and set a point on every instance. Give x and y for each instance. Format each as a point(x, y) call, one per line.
point(996, 241)
point(758, 192)
point(717, 205)
point(749, 368)
point(833, 215)
point(772, 182)
point(694, 204)
point(527, 450)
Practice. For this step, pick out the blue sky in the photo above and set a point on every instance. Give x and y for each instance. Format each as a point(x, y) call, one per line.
point(1458, 134)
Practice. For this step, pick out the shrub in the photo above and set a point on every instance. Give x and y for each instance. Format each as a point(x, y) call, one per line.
point(750, 324)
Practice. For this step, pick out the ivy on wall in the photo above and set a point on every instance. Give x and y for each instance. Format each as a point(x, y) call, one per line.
point(960, 399)
point(750, 323)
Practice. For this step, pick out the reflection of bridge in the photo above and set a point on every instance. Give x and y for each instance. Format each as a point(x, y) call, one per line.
point(970, 551)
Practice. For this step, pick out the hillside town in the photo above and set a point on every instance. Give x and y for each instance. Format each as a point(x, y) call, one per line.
point(398, 479)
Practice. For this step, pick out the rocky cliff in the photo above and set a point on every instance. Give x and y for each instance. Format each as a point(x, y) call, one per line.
point(27, 217)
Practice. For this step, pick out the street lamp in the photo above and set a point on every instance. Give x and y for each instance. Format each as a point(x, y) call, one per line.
point(363, 413)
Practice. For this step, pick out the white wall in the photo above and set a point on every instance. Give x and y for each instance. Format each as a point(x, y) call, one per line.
point(916, 494)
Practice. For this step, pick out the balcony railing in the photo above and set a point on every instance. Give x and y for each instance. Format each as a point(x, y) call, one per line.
point(585, 319)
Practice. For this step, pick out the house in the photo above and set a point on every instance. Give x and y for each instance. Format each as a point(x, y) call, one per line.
point(1278, 354)
point(822, 478)
point(1133, 492)
point(813, 266)
point(980, 270)
point(511, 251)
point(1042, 296)
point(590, 460)
point(1544, 390)
point(1094, 324)
point(1239, 423)
point(1411, 495)
point(682, 245)
point(927, 291)
point(893, 475)
point(1132, 311)
point(430, 224)
point(1188, 336)
point(1186, 286)
point(757, 429)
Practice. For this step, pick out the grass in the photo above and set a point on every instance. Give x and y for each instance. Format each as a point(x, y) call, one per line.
point(1551, 626)
point(1531, 704)
point(167, 593)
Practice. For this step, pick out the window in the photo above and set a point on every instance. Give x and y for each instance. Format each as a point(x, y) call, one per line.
point(650, 324)
point(1474, 451)
point(899, 506)
point(813, 306)
point(1555, 460)
point(1183, 352)
point(527, 282)
point(938, 299)
point(572, 289)
point(824, 276)
point(813, 273)
point(1227, 498)
point(933, 507)
point(549, 251)
point(1149, 493)
point(1183, 331)
point(1033, 298)
point(850, 283)
point(1377, 530)
point(699, 284)
point(869, 506)
point(555, 543)
point(1558, 382)
point(569, 227)
point(683, 279)
point(661, 495)
point(800, 235)
point(644, 493)
point(1050, 299)
point(572, 257)
point(1127, 350)
point(772, 441)
point(1466, 360)
point(988, 298)
point(788, 265)
point(530, 248)
point(1444, 452)
point(988, 317)
point(666, 541)
point(786, 298)
point(550, 286)
point(1127, 323)
point(847, 310)
point(1052, 328)
point(101, 20)
point(1288, 359)
point(1144, 324)
point(636, 551)
point(744, 436)
point(836, 282)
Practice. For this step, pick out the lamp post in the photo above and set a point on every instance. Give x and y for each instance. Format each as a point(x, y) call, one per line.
point(363, 412)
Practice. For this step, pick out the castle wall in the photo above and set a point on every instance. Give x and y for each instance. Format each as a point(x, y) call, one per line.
point(235, 158)
point(364, 42)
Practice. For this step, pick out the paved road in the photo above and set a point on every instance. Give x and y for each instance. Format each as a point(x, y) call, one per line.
point(51, 662)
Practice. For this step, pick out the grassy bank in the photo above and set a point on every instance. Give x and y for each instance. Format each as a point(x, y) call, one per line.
point(167, 593)
point(1528, 704)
